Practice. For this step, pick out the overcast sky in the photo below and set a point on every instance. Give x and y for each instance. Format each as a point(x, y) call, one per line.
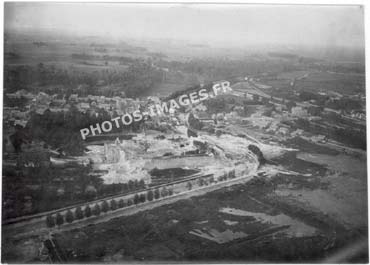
point(241, 24)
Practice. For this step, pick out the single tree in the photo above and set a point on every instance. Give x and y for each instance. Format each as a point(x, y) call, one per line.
point(60, 219)
point(87, 211)
point(121, 203)
point(156, 194)
point(142, 197)
point(113, 205)
point(50, 221)
point(104, 207)
point(136, 198)
point(129, 202)
point(189, 186)
point(136, 184)
point(130, 185)
point(96, 210)
point(142, 184)
point(69, 216)
point(79, 214)
point(150, 195)
point(164, 192)
point(200, 182)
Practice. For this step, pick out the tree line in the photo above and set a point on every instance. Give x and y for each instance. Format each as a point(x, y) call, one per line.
point(79, 214)
point(138, 78)
point(138, 198)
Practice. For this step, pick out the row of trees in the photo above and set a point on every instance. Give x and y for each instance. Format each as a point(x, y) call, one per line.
point(229, 175)
point(207, 181)
point(113, 205)
point(104, 207)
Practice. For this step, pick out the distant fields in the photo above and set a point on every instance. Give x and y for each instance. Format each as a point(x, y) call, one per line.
point(316, 81)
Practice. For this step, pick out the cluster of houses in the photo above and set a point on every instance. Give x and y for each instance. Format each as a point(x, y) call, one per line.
point(58, 103)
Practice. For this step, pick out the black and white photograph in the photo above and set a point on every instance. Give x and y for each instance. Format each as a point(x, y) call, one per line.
point(183, 133)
